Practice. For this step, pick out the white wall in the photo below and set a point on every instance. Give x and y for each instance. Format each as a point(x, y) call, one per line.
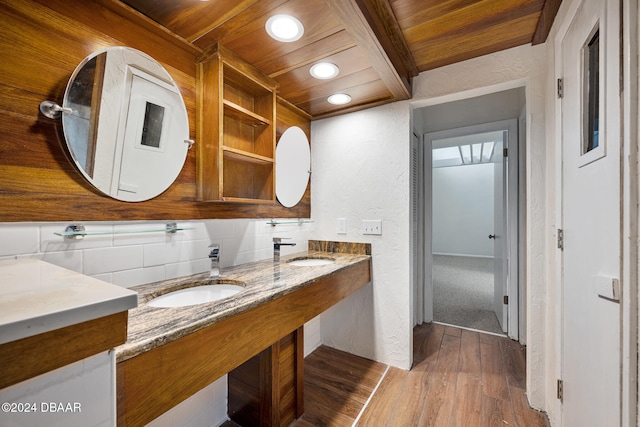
point(463, 210)
point(479, 109)
point(81, 394)
point(206, 408)
point(132, 259)
point(360, 165)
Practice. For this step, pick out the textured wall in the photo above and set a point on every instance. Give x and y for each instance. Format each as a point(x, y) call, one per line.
point(360, 167)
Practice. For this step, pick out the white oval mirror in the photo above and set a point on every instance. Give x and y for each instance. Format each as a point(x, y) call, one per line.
point(293, 166)
point(128, 128)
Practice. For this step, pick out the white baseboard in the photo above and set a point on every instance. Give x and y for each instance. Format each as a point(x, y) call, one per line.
point(463, 255)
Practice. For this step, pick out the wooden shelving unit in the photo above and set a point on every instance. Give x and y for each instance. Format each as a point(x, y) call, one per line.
point(236, 130)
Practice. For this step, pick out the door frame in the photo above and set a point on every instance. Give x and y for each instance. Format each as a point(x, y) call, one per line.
point(425, 207)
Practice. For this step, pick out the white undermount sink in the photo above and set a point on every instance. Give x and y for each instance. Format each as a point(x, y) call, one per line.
point(310, 262)
point(195, 295)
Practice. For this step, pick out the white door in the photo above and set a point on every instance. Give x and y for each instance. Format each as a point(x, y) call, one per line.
point(590, 219)
point(499, 236)
point(506, 246)
point(153, 139)
point(506, 234)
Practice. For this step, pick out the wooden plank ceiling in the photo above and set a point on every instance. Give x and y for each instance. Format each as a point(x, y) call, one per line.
point(379, 45)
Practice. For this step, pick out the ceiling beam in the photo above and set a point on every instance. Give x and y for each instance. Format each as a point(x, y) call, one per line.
point(384, 24)
point(372, 25)
point(547, 16)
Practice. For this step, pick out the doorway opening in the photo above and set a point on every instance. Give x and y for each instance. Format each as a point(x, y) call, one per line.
point(469, 226)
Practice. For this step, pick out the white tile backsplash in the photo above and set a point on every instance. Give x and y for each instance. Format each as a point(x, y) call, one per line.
point(220, 228)
point(19, 239)
point(187, 268)
point(137, 276)
point(71, 260)
point(104, 260)
point(123, 255)
point(229, 248)
point(175, 251)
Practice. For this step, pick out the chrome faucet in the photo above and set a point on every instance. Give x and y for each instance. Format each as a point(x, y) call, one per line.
point(214, 256)
point(277, 242)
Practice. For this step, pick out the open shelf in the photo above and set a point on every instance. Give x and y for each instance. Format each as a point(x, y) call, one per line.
point(247, 180)
point(235, 162)
point(244, 156)
point(243, 115)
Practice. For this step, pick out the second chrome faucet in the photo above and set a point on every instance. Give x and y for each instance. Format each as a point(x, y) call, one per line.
point(277, 242)
point(214, 256)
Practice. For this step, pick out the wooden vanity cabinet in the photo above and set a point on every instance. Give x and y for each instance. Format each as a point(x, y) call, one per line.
point(159, 378)
point(268, 389)
point(236, 130)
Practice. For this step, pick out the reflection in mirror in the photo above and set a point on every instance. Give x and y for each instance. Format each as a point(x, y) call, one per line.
point(128, 130)
point(85, 87)
point(293, 166)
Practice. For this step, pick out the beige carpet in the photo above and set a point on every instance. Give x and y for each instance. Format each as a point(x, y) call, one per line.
point(463, 292)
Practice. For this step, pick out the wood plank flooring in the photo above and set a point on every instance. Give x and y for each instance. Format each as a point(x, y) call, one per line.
point(459, 378)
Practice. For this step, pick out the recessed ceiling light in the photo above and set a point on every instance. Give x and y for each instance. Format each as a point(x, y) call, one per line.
point(324, 70)
point(339, 99)
point(284, 28)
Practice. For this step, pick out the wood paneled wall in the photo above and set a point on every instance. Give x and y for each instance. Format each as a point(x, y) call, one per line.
point(41, 43)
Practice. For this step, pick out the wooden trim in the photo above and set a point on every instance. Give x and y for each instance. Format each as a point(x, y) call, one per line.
point(384, 24)
point(38, 354)
point(152, 383)
point(299, 371)
point(547, 16)
point(357, 25)
point(283, 103)
point(231, 59)
point(117, 11)
point(352, 109)
point(270, 408)
point(208, 120)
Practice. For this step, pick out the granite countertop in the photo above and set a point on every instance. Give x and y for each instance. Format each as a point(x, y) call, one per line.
point(38, 297)
point(264, 281)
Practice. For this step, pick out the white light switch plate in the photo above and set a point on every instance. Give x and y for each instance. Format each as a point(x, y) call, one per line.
point(341, 227)
point(372, 226)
